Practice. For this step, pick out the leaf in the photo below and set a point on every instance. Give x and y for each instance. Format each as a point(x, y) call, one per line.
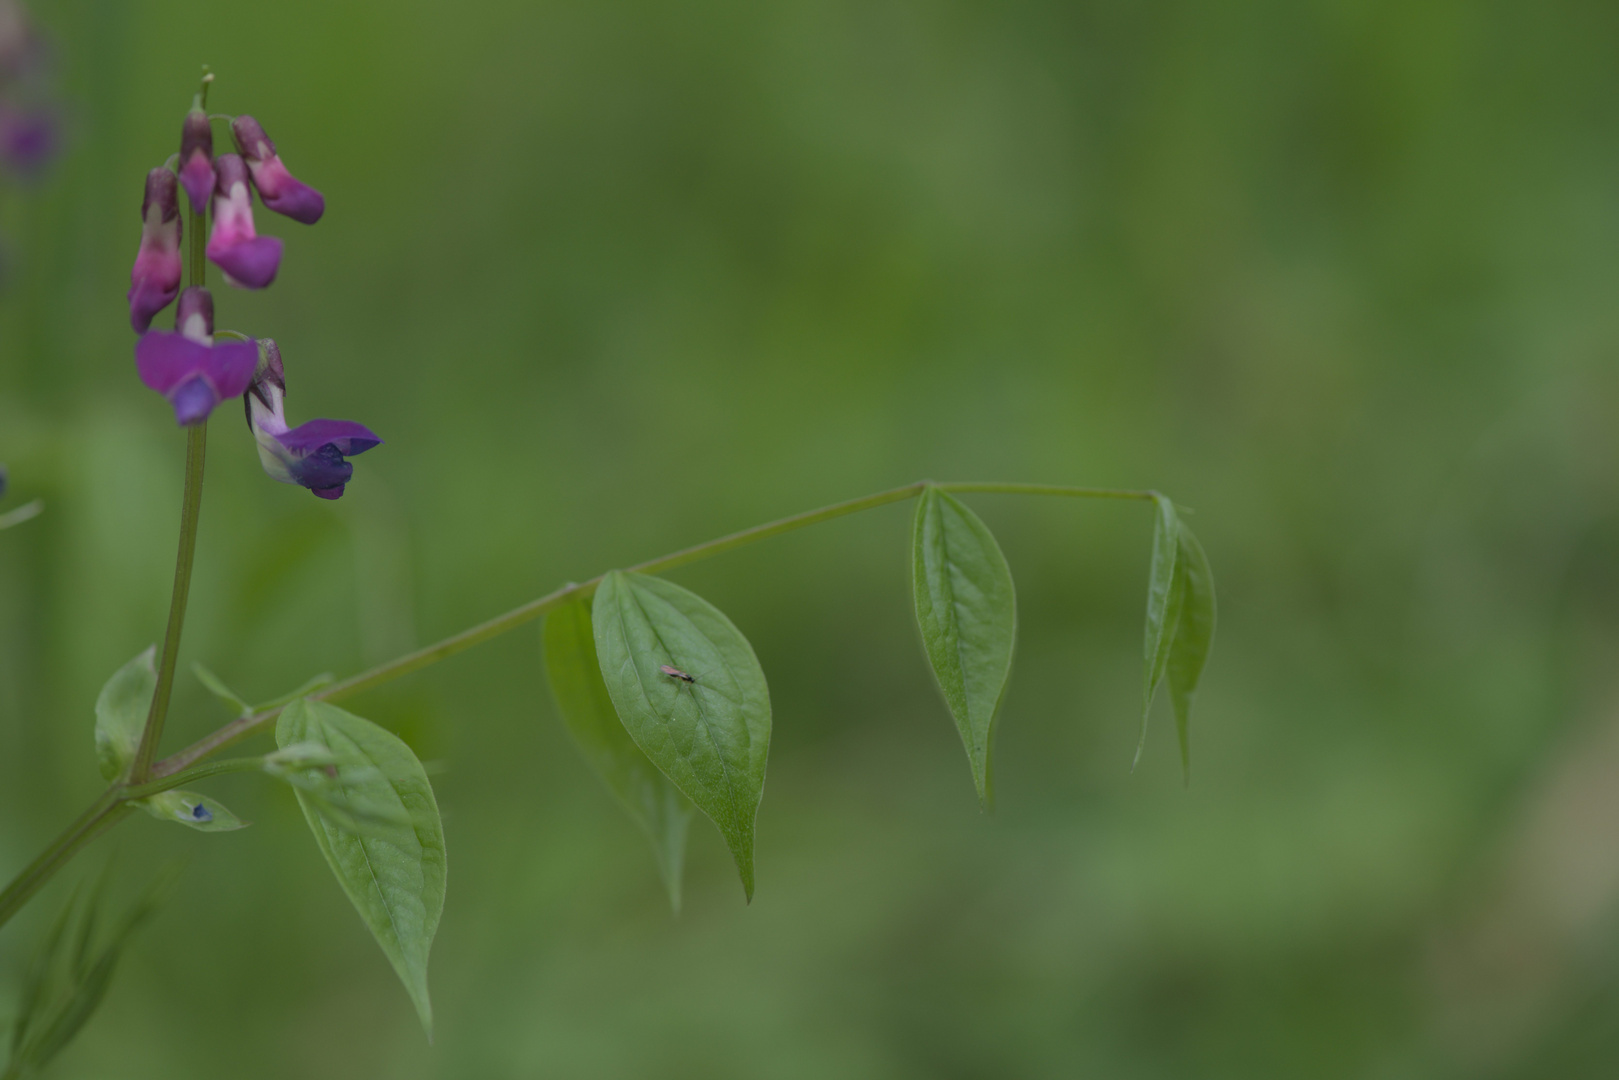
point(192, 810)
point(1164, 595)
point(1194, 634)
point(711, 735)
point(121, 712)
point(966, 608)
point(650, 797)
point(62, 992)
point(216, 686)
point(396, 881)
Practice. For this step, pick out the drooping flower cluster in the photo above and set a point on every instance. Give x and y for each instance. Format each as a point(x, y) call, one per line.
point(187, 365)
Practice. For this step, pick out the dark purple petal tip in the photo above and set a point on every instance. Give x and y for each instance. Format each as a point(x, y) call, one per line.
point(146, 299)
point(298, 201)
point(348, 437)
point(197, 177)
point(250, 264)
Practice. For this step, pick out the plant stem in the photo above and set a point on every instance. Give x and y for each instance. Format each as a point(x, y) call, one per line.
point(198, 249)
point(148, 779)
point(190, 509)
point(86, 828)
point(191, 776)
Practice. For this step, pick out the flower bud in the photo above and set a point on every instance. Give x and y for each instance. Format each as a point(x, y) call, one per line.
point(311, 454)
point(197, 158)
point(278, 188)
point(194, 315)
point(248, 259)
point(155, 280)
point(186, 366)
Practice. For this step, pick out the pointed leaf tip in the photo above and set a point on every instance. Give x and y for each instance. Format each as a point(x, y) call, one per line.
point(1165, 592)
point(1194, 636)
point(966, 608)
point(708, 732)
point(649, 797)
point(394, 878)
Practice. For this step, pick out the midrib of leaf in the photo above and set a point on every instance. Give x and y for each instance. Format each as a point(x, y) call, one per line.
point(955, 622)
point(702, 714)
point(370, 866)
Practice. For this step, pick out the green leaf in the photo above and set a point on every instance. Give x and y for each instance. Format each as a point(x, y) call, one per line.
point(191, 810)
point(395, 881)
point(650, 797)
point(711, 735)
point(121, 712)
point(1194, 634)
point(1164, 595)
point(216, 686)
point(64, 988)
point(967, 610)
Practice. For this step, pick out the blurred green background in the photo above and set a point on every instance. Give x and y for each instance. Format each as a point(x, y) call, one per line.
point(612, 278)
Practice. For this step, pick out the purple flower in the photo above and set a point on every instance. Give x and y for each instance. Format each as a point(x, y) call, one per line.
point(27, 139)
point(155, 280)
point(248, 259)
point(185, 366)
point(197, 158)
point(310, 454)
point(279, 189)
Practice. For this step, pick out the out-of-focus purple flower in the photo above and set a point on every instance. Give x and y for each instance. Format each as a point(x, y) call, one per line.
point(310, 454)
point(155, 280)
point(197, 157)
point(28, 138)
point(279, 189)
point(185, 366)
point(248, 259)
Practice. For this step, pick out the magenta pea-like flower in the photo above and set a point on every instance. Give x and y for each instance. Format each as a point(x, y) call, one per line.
point(278, 188)
point(248, 259)
point(155, 280)
point(186, 366)
point(197, 158)
point(311, 454)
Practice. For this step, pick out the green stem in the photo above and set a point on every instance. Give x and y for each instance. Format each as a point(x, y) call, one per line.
point(190, 510)
point(198, 250)
point(191, 776)
point(86, 828)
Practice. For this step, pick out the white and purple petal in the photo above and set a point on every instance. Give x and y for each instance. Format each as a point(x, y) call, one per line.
point(312, 454)
point(196, 159)
point(154, 281)
point(278, 188)
point(248, 259)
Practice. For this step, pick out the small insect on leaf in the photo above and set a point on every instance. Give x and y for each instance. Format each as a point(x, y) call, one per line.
point(712, 738)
